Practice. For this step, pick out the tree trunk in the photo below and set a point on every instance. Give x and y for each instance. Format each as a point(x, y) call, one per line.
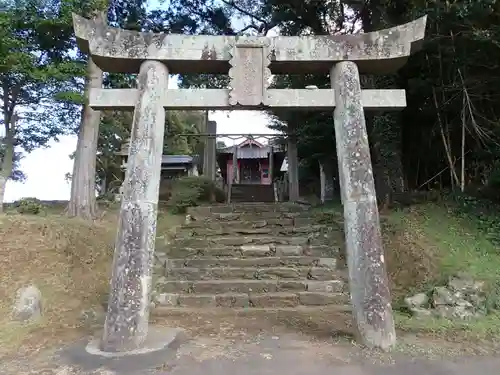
point(6, 168)
point(83, 201)
point(8, 158)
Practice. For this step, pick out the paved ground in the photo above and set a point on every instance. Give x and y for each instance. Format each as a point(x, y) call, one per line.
point(262, 354)
point(291, 355)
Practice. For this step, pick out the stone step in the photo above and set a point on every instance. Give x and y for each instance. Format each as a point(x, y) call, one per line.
point(255, 222)
point(233, 230)
point(164, 312)
point(246, 216)
point(163, 285)
point(271, 261)
point(250, 273)
point(249, 207)
point(252, 239)
point(248, 251)
point(250, 300)
point(252, 193)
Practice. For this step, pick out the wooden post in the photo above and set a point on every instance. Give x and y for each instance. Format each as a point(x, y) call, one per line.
point(293, 169)
point(236, 177)
point(271, 163)
point(322, 181)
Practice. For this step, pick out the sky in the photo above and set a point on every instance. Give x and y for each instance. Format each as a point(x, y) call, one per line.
point(46, 168)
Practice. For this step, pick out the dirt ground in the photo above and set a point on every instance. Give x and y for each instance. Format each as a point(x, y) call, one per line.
point(69, 260)
point(323, 337)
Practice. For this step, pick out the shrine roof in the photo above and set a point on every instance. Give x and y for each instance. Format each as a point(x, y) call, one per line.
point(119, 50)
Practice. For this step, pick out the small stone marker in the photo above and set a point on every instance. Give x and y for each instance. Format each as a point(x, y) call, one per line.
point(28, 306)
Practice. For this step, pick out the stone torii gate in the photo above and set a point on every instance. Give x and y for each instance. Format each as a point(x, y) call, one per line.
point(249, 60)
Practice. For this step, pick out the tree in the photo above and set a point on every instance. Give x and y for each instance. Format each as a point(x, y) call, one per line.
point(83, 189)
point(115, 130)
point(82, 201)
point(38, 79)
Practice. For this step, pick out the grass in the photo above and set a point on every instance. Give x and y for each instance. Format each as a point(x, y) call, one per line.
point(455, 246)
point(68, 260)
point(425, 245)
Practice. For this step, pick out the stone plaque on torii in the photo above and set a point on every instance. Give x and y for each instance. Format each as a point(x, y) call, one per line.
point(249, 60)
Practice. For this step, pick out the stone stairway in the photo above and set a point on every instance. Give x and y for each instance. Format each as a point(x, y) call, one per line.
point(249, 256)
point(252, 193)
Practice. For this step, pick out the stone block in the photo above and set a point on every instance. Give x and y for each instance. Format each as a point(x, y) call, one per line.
point(321, 299)
point(231, 241)
point(330, 286)
point(187, 273)
point(246, 273)
point(289, 250)
point(234, 286)
point(321, 251)
point(220, 252)
point(175, 287)
point(281, 273)
point(176, 263)
point(232, 300)
point(197, 300)
point(283, 222)
point(299, 261)
point(327, 263)
point(321, 273)
point(249, 230)
point(255, 250)
point(303, 221)
point(229, 216)
point(298, 241)
point(180, 251)
point(274, 300)
point(166, 299)
point(28, 304)
point(292, 286)
point(257, 262)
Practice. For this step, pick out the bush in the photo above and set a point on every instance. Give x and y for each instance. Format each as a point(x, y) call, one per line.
point(191, 191)
point(30, 206)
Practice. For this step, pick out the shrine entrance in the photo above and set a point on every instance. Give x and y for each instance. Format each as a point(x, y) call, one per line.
point(249, 61)
point(250, 172)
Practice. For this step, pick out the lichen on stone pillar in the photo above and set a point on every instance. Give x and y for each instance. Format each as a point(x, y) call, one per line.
point(126, 325)
point(370, 295)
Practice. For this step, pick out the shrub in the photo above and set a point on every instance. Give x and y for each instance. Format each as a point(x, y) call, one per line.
point(184, 198)
point(191, 191)
point(30, 206)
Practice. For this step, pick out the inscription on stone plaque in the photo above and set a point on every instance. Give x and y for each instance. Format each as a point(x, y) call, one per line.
point(249, 74)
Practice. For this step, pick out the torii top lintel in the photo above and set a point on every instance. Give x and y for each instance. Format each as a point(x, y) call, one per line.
point(123, 51)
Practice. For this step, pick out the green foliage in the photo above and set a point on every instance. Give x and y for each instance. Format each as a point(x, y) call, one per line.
point(39, 77)
point(183, 122)
point(29, 206)
point(181, 199)
point(450, 84)
point(191, 191)
point(482, 213)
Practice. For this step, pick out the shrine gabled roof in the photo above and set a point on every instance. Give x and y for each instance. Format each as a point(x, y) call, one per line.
point(118, 50)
